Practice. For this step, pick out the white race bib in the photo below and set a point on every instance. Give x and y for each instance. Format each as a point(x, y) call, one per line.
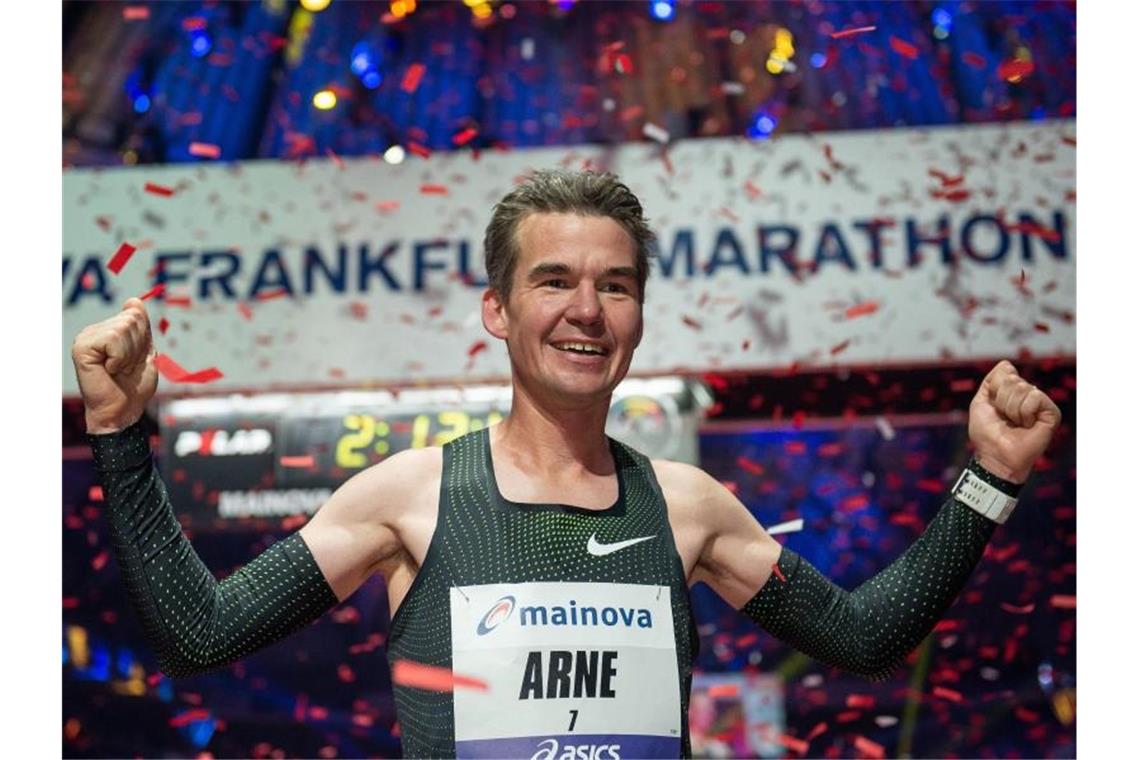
point(576, 671)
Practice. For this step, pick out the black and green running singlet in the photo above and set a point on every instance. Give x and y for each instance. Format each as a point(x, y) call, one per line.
point(577, 620)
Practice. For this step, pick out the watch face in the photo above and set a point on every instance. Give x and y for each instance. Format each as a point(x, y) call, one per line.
point(652, 425)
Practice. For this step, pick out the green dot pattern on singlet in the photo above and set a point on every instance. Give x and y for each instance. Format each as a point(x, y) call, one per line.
point(870, 630)
point(194, 622)
point(482, 538)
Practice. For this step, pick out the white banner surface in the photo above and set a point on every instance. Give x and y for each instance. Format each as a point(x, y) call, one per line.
point(894, 246)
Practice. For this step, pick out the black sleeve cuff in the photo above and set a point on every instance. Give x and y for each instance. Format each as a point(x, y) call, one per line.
point(1008, 487)
point(121, 451)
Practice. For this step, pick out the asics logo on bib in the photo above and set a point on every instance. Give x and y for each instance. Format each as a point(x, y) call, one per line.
point(499, 612)
point(552, 750)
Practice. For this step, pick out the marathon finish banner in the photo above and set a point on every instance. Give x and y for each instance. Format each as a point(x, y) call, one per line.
point(882, 246)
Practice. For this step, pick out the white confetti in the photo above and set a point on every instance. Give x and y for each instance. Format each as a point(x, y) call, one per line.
point(732, 88)
point(885, 428)
point(654, 132)
point(791, 526)
point(884, 721)
point(527, 48)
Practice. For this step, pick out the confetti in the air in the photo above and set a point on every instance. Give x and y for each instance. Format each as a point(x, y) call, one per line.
point(174, 373)
point(157, 290)
point(842, 33)
point(161, 190)
point(791, 526)
point(205, 150)
point(121, 257)
point(432, 678)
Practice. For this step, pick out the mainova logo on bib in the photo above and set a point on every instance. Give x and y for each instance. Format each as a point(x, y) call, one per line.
point(569, 614)
point(498, 614)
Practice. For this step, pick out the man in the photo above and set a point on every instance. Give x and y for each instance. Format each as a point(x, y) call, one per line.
point(538, 556)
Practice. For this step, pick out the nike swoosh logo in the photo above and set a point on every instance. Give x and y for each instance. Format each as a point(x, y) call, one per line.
point(601, 550)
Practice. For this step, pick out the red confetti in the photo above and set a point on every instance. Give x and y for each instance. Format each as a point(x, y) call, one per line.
point(1014, 69)
point(465, 136)
point(162, 190)
point(1024, 609)
point(163, 324)
point(121, 257)
point(188, 717)
point(780, 575)
point(840, 347)
point(860, 701)
point(799, 746)
point(819, 729)
point(418, 150)
point(157, 290)
point(412, 77)
point(386, 206)
point(335, 158)
point(869, 748)
point(176, 300)
point(136, 13)
point(843, 33)
point(433, 189)
point(170, 369)
point(1063, 601)
point(690, 322)
point(192, 23)
point(950, 694)
point(269, 295)
point(748, 465)
point(432, 678)
point(861, 309)
point(476, 348)
point(205, 150)
point(244, 310)
point(99, 561)
point(724, 691)
point(95, 493)
point(973, 60)
point(904, 48)
point(306, 461)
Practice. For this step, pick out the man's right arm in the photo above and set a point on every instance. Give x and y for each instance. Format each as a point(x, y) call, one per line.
point(194, 622)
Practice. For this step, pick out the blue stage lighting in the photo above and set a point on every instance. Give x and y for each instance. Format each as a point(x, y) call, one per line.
point(200, 44)
point(762, 126)
point(361, 59)
point(142, 104)
point(371, 79)
point(941, 17)
point(818, 59)
point(662, 10)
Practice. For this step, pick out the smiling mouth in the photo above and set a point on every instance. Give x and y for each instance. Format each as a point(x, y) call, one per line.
point(582, 349)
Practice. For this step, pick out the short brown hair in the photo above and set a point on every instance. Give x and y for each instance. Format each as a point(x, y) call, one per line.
point(557, 191)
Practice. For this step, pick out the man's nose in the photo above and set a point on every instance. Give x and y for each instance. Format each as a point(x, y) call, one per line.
point(585, 306)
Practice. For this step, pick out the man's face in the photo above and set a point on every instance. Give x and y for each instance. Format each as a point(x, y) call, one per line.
point(575, 282)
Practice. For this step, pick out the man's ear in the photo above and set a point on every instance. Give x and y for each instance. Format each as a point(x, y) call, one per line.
point(494, 314)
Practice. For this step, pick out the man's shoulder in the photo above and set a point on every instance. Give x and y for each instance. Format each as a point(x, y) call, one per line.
point(683, 482)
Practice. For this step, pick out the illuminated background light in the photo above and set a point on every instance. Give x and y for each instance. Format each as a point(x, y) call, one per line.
point(662, 10)
point(394, 155)
point(818, 60)
point(200, 44)
point(315, 6)
point(141, 104)
point(371, 79)
point(762, 126)
point(324, 100)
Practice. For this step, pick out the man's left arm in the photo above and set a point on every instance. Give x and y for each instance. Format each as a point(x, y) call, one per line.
point(871, 629)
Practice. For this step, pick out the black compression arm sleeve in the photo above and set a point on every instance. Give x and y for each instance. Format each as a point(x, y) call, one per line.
point(870, 630)
point(194, 622)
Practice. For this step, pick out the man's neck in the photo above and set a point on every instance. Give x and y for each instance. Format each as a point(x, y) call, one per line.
point(543, 440)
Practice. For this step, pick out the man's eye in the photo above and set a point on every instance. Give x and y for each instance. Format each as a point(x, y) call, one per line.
point(554, 283)
point(615, 287)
